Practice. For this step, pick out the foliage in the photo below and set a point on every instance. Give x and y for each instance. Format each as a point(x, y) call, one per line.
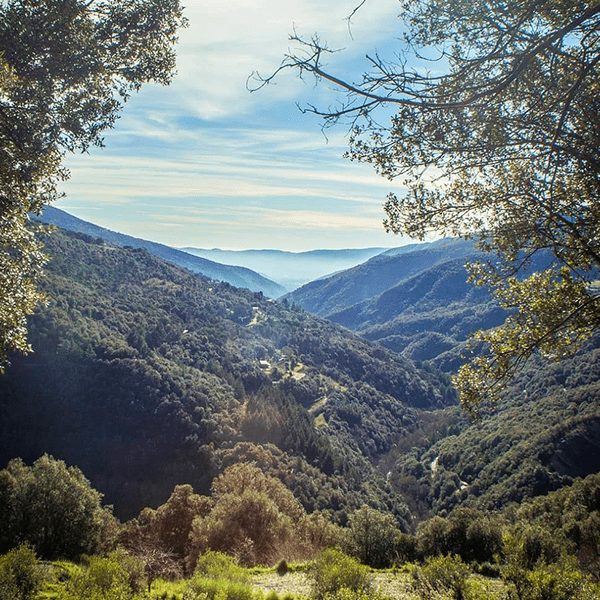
point(254, 517)
point(102, 578)
point(332, 571)
point(562, 581)
point(217, 565)
point(218, 576)
point(471, 534)
point(540, 437)
point(372, 537)
point(441, 574)
point(282, 567)
point(173, 355)
point(499, 143)
point(59, 92)
point(157, 535)
point(20, 576)
point(52, 507)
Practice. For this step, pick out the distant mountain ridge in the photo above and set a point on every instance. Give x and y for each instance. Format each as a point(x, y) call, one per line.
point(290, 269)
point(414, 299)
point(331, 295)
point(237, 276)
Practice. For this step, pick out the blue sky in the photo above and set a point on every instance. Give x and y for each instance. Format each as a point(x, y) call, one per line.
point(205, 163)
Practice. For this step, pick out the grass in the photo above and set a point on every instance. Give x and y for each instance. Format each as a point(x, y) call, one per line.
point(392, 583)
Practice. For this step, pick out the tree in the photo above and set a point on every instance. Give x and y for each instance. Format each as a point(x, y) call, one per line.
point(52, 507)
point(20, 575)
point(499, 142)
point(254, 517)
point(66, 69)
point(372, 537)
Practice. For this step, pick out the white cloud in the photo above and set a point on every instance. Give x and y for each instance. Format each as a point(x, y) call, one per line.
point(227, 40)
point(204, 158)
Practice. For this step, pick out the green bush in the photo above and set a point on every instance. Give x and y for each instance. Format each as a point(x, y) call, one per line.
point(442, 575)
point(102, 579)
point(20, 577)
point(372, 537)
point(534, 545)
point(217, 565)
point(202, 588)
point(218, 576)
point(333, 571)
point(562, 581)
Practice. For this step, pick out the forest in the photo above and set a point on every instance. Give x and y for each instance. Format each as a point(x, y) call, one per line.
point(219, 424)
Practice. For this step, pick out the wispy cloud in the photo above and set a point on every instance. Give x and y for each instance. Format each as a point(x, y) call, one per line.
point(204, 158)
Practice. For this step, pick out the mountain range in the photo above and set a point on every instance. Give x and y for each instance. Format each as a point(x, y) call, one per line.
point(290, 269)
point(237, 276)
point(147, 375)
point(415, 300)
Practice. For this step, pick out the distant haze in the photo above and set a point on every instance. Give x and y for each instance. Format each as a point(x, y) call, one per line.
point(290, 269)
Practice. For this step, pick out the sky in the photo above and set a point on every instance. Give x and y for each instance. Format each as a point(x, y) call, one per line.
point(205, 163)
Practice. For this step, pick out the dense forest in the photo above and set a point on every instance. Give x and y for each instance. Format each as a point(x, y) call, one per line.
point(152, 376)
point(191, 397)
point(422, 426)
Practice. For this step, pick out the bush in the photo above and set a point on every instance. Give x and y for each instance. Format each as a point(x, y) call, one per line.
point(19, 574)
point(442, 574)
point(52, 507)
point(333, 571)
point(201, 588)
point(282, 568)
point(534, 545)
point(562, 581)
point(102, 579)
point(217, 565)
point(488, 569)
point(372, 537)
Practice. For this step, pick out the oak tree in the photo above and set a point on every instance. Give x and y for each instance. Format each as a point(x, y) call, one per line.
point(486, 120)
point(66, 69)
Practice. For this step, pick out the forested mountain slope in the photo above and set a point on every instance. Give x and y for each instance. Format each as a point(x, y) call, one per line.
point(543, 434)
point(414, 300)
point(237, 276)
point(146, 376)
point(334, 294)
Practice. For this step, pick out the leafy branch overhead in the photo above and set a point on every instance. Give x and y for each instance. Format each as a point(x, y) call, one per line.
point(487, 123)
point(66, 69)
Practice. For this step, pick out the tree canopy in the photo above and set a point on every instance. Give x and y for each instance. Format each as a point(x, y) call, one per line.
point(52, 507)
point(66, 68)
point(486, 120)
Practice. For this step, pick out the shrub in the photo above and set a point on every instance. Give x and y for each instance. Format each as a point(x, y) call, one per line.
point(217, 565)
point(372, 536)
point(562, 581)
point(51, 506)
point(201, 588)
point(19, 574)
point(282, 567)
point(442, 574)
point(333, 571)
point(534, 545)
point(102, 579)
point(488, 569)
